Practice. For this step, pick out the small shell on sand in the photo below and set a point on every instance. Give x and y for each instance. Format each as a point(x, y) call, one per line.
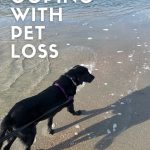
point(119, 114)
point(130, 56)
point(122, 103)
point(107, 112)
point(119, 62)
point(108, 131)
point(77, 126)
point(76, 133)
point(113, 106)
point(112, 94)
point(121, 95)
point(53, 126)
point(129, 91)
point(114, 127)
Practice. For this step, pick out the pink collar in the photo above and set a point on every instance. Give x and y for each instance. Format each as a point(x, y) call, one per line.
point(75, 84)
point(63, 91)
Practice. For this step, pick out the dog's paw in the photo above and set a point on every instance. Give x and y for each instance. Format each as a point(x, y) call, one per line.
point(79, 112)
point(51, 131)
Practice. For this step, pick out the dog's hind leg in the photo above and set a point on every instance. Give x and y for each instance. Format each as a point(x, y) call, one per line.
point(10, 142)
point(27, 136)
point(2, 134)
point(5, 127)
point(50, 122)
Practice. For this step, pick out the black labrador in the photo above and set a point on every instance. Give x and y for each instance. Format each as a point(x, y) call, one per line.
point(28, 112)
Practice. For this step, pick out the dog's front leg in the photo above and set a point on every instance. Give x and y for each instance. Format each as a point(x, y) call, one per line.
point(50, 122)
point(70, 109)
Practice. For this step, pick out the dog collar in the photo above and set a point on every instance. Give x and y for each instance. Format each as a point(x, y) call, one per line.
point(75, 84)
point(63, 91)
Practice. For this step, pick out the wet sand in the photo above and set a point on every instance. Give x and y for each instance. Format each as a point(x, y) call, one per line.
point(116, 104)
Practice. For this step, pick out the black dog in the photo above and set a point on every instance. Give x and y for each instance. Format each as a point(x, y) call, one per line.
point(44, 105)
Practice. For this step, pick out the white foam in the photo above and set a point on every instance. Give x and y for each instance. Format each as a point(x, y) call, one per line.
point(119, 62)
point(68, 44)
point(90, 66)
point(120, 51)
point(84, 24)
point(145, 45)
point(131, 59)
point(90, 38)
point(130, 56)
point(105, 29)
point(146, 67)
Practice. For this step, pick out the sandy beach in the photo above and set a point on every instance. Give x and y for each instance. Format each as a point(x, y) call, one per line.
point(116, 49)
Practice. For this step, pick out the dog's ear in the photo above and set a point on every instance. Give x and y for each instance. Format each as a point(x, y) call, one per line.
point(76, 66)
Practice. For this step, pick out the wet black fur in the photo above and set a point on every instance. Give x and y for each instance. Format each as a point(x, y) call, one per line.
point(31, 108)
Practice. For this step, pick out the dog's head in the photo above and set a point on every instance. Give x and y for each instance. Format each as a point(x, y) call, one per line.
point(80, 74)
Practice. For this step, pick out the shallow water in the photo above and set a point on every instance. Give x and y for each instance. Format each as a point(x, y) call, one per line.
point(98, 7)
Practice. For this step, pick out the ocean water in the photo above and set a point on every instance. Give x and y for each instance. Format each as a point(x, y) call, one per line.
point(99, 7)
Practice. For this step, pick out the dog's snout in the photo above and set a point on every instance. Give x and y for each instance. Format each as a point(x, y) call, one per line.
point(92, 77)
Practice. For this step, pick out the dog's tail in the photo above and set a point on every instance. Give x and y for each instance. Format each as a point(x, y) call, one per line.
point(6, 125)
